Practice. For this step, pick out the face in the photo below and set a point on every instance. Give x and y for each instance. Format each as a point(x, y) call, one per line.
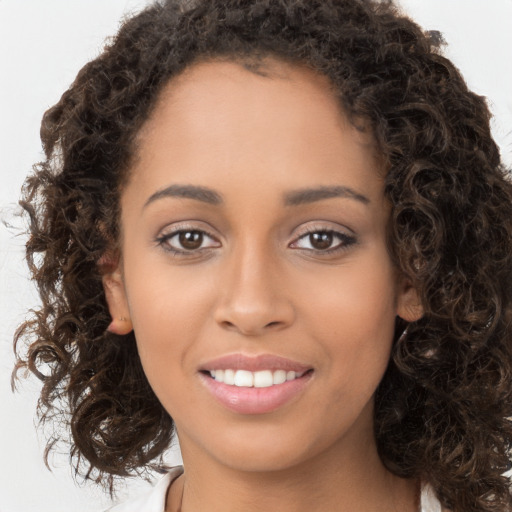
point(254, 268)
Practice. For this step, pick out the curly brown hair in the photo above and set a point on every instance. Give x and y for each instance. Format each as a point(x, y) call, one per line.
point(443, 408)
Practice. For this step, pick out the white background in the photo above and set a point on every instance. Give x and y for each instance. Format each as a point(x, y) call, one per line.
point(43, 44)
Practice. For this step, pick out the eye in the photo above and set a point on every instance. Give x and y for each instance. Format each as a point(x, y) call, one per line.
point(324, 241)
point(184, 241)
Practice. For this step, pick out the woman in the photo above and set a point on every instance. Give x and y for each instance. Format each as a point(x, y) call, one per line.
point(282, 230)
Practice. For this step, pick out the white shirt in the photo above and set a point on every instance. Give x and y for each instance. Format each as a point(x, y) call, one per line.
point(154, 499)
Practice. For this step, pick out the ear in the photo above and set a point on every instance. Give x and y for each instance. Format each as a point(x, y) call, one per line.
point(115, 294)
point(409, 306)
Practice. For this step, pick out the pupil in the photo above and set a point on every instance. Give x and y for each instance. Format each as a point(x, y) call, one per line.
point(322, 240)
point(191, 239)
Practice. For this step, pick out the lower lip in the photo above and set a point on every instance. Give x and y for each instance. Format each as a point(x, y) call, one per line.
point(245, 400)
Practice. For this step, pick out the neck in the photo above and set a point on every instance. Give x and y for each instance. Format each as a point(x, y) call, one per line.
point(345, 478)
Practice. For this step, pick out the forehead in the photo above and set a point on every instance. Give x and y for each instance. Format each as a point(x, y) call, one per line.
point(219, 120)
point(210, 90)
point(268, 72)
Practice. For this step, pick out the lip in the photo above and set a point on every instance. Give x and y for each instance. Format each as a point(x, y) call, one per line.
point(254, 363)
point(245, 400)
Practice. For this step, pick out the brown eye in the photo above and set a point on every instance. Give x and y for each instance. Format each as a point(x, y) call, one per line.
point(187, 241)
point(190, 240)
point(321, 240)
point(324, 241)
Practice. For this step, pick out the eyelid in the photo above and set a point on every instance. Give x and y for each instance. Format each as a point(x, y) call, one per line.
point(323, 225)
point(347, 239)
point(169, 232)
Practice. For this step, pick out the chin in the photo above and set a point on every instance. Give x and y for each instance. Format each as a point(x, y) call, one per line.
point(263, 461)
point(265, 451)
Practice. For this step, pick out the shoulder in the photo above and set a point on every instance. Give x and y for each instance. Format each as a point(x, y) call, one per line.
point(154, 499)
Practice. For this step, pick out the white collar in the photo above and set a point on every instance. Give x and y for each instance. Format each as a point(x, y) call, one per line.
point(154, 499)
point(429, 502)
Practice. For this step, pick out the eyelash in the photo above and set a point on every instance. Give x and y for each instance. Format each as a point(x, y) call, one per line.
point(163, 241)
point(345, 241)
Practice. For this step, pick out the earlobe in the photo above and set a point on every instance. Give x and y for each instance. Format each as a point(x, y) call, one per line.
point(409, 306)
point(117, 303)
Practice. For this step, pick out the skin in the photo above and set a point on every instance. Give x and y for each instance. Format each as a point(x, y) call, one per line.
point(258, 283)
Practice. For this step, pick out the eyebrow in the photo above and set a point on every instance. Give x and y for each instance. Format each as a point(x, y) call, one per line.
point(292, 198)
point(204, 194)
point(311, 195)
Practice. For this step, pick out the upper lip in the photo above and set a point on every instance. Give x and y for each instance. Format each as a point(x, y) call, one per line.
point(254, 363)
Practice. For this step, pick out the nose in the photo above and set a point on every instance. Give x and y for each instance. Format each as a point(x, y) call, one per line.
point(253, 299)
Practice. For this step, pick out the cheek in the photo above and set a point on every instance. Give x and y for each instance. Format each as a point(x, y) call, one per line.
point(168, 310)
point(352, 318)
point(162, 294)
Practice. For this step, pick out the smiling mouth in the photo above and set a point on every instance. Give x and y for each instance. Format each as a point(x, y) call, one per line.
point(255, 384)
point(258, 379)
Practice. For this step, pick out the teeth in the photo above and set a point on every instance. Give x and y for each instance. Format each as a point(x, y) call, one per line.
point(229, 377)
point(280, 376)
point(263, 379)
point(243, 378)
point(247, 379)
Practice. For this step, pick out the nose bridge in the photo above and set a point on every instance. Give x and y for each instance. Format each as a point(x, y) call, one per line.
point(253, 299)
